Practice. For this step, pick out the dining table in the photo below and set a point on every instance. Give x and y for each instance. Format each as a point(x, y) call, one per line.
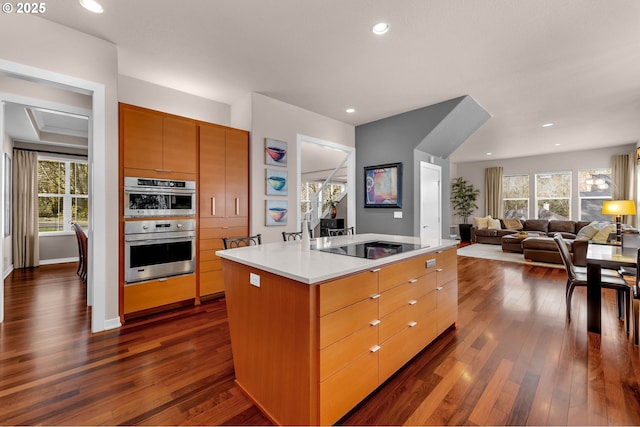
point(599, 257)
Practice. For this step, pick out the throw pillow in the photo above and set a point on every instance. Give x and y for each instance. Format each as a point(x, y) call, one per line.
point(481, 223)
point(494, 224)
point(512, 224)
point(603, 235)
point(588, 231)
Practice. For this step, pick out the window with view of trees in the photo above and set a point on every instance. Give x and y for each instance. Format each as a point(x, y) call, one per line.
point(515, 189)
point(63, 194)
point(553, 195)
point(594, 186)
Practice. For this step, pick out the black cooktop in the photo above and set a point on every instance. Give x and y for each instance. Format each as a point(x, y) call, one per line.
point(373, 250)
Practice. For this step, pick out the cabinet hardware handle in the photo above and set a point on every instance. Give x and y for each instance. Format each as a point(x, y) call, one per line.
point(413, 302)
point(375, 296)
point(439, 252)
point(374, 348)
point(213, 206)
point(439, 288)
point(412, 324)
point(162, 170)
point(237, 206)
point(162, 279)
point(375, 270)
point(413, 280)
point(439, 270)
point(374, 322)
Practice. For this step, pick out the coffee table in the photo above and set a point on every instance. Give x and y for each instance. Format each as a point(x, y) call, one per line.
point(513, 242)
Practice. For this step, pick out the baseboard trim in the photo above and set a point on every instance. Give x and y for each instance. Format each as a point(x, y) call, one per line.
point(7, 272)
point(112, 323)
point(57, 261)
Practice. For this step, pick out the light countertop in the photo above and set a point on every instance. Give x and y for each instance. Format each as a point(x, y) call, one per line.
point(288, 259)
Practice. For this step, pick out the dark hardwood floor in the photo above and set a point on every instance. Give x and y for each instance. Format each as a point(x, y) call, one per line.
point(512, 360)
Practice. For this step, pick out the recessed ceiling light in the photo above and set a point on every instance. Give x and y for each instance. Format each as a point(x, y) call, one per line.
point(557, 144)
point(92, 6)
point(380, 28)
point(548, 125)
point(489, 154)
point(350, 110)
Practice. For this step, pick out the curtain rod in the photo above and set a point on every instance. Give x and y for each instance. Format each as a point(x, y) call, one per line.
point(52, 152)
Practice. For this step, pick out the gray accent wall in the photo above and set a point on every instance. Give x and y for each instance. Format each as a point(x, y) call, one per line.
point(406, 138)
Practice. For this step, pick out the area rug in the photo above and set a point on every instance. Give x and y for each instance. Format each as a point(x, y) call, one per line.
point(482, 250)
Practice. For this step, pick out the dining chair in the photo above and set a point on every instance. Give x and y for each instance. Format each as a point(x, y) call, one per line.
point(81, 237)
point(237, 242)
point(630, 241)
point(296, 235)
point(340, 231)
point(575, 278)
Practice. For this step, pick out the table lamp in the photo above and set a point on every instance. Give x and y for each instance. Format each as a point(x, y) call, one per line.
point(618, 208)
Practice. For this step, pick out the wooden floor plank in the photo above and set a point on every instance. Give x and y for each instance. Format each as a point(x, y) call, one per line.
point(512, 359)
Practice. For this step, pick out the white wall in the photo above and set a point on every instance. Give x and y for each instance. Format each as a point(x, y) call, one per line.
point(278, 120)
point(59, 54)
point(144, 94)
point(7, 253)
point(559, 162)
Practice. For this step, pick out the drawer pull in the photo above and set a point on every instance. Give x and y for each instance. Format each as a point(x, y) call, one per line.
point(413, 280)
point(374, 348)
point(439, 252)
point(375, 296)
point(237, 206)
point(439, 288)
point(439, 270)
point(375, 270)
point(412, 324)
point(413, 302)
point(213, 206)
point(374, 322)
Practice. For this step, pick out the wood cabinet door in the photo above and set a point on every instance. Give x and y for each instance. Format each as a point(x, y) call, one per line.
point(237, 159)
point(141, 138)
point(211, 185)
point(179, 145)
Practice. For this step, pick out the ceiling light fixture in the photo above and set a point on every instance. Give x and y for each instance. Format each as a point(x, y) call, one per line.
point(489, 154)
point(547, 125)
point(380, 28)
point(92, 6)
point(350, 110)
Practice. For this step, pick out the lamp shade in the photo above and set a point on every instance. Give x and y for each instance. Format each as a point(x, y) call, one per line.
point(618, 207)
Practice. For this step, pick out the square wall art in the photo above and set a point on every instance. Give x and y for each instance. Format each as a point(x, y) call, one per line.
point(275, 152)
point(276, 182)
point(276, 212)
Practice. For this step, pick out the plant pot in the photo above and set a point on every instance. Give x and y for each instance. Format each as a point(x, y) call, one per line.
point(465, 232)
point(334, 211)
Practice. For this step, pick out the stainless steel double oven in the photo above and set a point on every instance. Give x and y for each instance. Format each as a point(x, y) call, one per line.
point(164, 245)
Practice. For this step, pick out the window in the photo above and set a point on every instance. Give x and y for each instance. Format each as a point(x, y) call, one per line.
point(553, 195)
point(515, 190)
point(594, 186)
point(63, 195)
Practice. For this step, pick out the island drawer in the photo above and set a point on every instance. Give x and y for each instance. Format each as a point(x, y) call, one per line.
point(399, 296)
point(447, 305)
point(403, 271)
point(348, 290)
point(400, 348)
point(349, 348)
point(409, 312)
point(343, 390)
point(346, 321)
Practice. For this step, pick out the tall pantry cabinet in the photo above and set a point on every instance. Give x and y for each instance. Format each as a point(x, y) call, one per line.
point(223, 195)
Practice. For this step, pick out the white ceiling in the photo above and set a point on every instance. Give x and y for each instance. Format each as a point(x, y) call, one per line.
point(572, 62)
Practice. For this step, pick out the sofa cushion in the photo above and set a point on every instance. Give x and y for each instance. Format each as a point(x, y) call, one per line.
point(485, 232)
point(556, 226)
point(587, 232)
point(536, 225)
point(512, 224)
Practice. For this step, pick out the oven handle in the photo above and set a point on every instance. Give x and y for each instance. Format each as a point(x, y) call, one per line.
point(169, 239)
point(156, 191)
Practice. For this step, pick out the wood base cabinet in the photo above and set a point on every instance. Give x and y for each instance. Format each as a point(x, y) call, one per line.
point(156, 293)
point(307, 354)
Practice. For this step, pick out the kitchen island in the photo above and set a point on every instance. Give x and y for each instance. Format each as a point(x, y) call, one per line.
point(313, 332)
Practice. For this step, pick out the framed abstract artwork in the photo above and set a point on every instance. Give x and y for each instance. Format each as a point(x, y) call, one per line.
point(275, 152)
point(383, 186)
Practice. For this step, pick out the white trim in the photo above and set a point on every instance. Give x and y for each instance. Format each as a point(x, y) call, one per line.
point(112, 323)
point(96, 277)
point(58, 260)
point(7, 272)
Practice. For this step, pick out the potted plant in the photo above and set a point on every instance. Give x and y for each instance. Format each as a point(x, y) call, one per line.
point(463, 198)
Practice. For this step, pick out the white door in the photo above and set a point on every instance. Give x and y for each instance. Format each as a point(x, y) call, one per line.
point(430, 201)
